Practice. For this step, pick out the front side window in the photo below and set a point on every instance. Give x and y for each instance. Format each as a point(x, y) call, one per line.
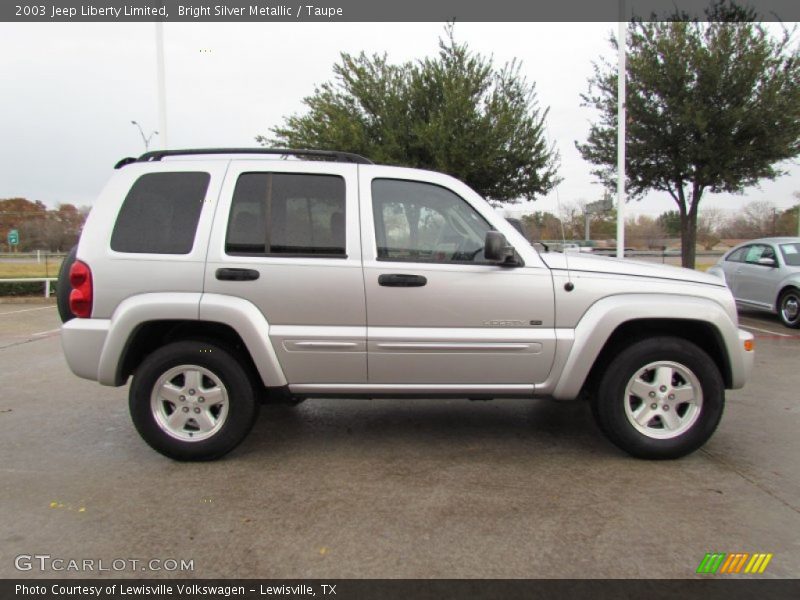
point(422, 222)
point(758, 251)
point(160, 213)
point(287, 214)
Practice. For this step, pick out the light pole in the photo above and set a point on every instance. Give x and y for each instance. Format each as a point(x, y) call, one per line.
point(623, 29)
point(161, 80)
point(145, 139)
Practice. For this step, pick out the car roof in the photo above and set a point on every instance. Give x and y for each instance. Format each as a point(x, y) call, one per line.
point(773, 240)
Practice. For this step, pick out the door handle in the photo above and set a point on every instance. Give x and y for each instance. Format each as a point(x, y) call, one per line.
point(237, 274)
point(401, 280)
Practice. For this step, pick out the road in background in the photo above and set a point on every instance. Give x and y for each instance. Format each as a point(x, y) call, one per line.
point(391, 488)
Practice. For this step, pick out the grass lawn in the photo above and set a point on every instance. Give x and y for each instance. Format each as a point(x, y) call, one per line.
point(12, 270)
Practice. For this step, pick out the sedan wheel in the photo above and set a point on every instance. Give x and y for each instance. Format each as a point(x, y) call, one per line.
point(789, 308)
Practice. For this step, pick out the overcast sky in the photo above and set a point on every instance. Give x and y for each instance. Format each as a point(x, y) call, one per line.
point(70, 91)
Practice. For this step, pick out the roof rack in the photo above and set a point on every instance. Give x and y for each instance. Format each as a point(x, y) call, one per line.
point(333, 155)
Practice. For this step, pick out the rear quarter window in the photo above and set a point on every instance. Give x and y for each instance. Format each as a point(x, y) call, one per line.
point(738, 255)
point(160, 213)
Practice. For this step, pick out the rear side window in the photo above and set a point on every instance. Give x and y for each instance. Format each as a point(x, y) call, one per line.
point(738, 255)
point(160, 213)
point(287, 214)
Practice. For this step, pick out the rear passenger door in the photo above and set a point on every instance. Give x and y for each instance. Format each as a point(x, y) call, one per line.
point(286, 238)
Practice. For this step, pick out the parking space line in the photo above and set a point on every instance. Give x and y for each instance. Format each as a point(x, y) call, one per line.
point(764, 330)
point(14, 312)
point(46, 332)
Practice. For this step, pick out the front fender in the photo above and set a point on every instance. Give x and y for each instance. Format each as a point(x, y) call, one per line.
point(717, 271)
point(605, 316)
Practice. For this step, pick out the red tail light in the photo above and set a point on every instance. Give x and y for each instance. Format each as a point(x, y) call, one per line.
point(80, 298)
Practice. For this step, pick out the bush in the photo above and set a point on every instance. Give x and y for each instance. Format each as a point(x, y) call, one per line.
point(34, 288)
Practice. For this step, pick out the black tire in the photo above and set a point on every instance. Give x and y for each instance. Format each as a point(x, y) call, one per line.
point(788, 304)
point(690, 424)
point(63, 287)
point(232, 382)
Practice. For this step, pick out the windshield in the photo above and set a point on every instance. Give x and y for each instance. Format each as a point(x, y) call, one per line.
point(791, 254)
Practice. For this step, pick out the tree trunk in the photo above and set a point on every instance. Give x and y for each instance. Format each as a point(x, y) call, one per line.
point(688, 238)
point(689, 226)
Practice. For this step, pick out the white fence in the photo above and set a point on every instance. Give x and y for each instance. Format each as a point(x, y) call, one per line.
point(45, 280)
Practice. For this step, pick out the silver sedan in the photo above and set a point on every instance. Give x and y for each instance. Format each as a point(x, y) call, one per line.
point(765, 274)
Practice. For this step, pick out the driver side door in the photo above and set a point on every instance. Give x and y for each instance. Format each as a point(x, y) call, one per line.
point(753, 283)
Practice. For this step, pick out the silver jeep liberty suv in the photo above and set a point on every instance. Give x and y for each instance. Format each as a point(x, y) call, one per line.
point(217, 278)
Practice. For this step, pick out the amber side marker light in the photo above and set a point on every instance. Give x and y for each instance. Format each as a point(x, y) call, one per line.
point(749, 345)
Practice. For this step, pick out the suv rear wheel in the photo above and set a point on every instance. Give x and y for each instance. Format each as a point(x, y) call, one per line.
point(660, 398)
point(192, 400)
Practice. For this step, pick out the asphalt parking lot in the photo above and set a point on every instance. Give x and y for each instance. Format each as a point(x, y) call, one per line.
point(390, 488)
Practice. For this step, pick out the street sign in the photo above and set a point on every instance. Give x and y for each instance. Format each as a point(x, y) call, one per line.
point(13, 237)
point(601, 206)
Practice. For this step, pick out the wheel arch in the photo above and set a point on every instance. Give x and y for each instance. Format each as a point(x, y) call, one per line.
point(701, 333)
point(151, 335)
point(141, 323)
point(617, 320)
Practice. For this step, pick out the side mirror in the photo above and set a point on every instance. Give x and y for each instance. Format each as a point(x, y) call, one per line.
point(496, 248)
point(767, 262)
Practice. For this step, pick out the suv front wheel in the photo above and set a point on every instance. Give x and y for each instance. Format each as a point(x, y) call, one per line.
point(660, 398)
point(192, 400)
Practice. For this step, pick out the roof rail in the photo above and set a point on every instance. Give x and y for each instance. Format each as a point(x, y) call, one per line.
point(333, 155)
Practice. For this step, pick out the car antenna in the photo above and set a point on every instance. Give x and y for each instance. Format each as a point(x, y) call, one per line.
point(569, 286)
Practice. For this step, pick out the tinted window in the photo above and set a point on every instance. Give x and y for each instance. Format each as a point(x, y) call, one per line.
point(791, 254)
point(421, 222)
point(160, 213)
point(285, 213)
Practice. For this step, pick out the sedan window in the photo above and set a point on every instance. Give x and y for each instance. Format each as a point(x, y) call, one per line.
point(758, 251)
point(791, 254)
point(738, 255)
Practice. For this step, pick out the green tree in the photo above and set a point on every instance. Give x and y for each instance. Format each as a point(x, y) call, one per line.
point(542, 226)
point(670, 222)
point(454, 113)
point(41, 228)
point(712, 106)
